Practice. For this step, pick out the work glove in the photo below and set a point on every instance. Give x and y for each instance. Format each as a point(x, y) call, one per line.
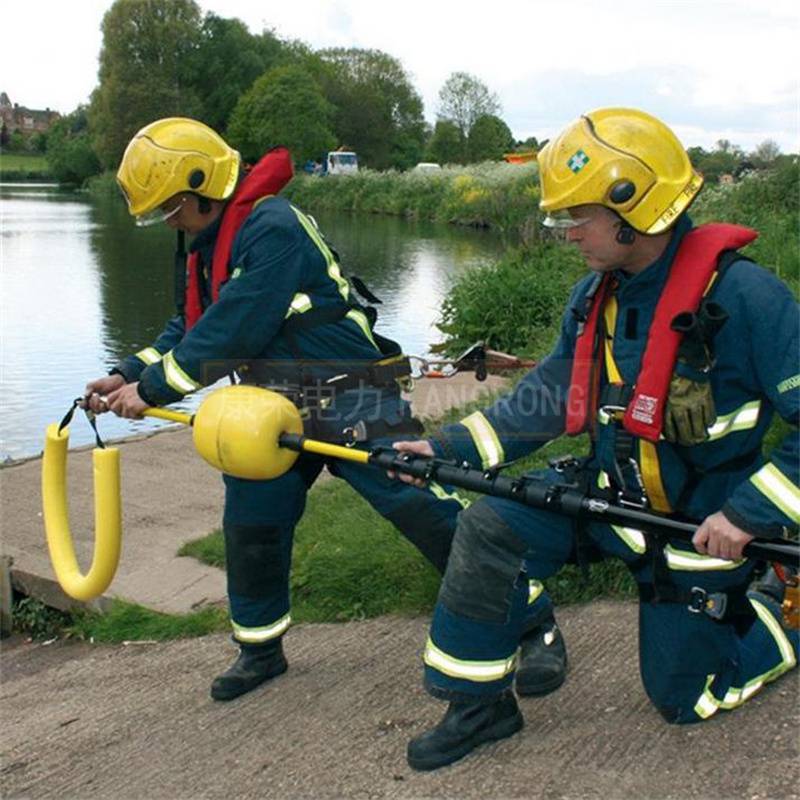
point(690, 410)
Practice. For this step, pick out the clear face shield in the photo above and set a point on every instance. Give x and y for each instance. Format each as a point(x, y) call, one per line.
point(161, 214)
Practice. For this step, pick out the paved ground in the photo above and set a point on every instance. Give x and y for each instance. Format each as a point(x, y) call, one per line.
point(169, 496)
point(125, 723)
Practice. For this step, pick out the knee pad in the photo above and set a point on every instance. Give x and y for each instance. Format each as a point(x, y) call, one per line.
point(256, 556)
point(485, 561)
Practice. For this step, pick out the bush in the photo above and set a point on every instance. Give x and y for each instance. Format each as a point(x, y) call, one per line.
point(514, 305)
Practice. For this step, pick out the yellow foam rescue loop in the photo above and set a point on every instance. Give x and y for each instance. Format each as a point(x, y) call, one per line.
point(107, 515)
point(236, 430)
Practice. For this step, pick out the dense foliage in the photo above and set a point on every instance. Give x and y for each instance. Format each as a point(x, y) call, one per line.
point(285, 106)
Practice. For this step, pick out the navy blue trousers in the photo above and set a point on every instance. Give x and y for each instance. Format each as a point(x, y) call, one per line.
point(691, 664)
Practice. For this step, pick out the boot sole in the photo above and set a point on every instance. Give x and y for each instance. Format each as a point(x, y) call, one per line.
point(232, 694)
point(538, 689)
point(500, 730)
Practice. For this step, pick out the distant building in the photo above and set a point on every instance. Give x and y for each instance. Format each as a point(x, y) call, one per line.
point(25, 120)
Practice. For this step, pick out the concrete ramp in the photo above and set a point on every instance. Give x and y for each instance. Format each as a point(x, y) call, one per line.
point(127, 723)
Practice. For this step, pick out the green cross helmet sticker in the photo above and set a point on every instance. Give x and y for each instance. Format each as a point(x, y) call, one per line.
point(577, 161)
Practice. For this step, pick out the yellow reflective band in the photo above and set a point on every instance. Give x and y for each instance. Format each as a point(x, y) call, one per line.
point(299, 305)
point(263, 634)
point(333, 268)
point(442, 494)
point(485, 438)
point(360, 318)
point(176, 377)
point(149, 355)
point(477, 671)
point(707, 704)
point(735, 697)
point(632, 537)
point(610, 316)
point(742, 419)
point(651, 476)
point(785, 648)
point(696, 562)
point(788, 384)
point(772, 483)
point(535, 588)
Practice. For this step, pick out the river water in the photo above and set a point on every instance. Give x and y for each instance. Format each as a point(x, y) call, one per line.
point(82, 287)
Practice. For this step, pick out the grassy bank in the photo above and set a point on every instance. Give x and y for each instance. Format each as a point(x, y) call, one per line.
point(24, 167)
point(499, 196)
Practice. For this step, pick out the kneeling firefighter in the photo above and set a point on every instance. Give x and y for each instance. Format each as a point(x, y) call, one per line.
point(674, 355)
point(261, 295)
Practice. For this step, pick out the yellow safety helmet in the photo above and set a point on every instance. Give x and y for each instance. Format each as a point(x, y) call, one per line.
point(236, 430)
point(623, 159)
point(175, 155)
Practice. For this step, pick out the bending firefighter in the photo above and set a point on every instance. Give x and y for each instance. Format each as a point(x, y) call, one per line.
point(262, 296)
point(674, 354)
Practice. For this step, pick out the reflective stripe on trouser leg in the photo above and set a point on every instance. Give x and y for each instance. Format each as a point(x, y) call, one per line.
point(258, 560)
point(766, 651)
point(482, 604)
point(259, 525)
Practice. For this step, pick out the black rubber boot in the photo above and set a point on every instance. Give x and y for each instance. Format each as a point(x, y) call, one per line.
point(463, 727)
point(254, 665)
point(542, 660)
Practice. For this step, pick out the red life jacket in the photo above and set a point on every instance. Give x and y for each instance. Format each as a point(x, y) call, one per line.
point(694, 265)
point(267, 177)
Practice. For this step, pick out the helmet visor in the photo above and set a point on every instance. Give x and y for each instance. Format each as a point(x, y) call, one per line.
point(160, 214)
point(563, 219)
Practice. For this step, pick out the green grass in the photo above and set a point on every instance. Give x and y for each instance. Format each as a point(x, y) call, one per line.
point(23, 166)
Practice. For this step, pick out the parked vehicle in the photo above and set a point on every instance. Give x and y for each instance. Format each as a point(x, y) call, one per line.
point(341, 162)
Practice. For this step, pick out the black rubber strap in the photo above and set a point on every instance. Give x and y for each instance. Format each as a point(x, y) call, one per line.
point(90, 415)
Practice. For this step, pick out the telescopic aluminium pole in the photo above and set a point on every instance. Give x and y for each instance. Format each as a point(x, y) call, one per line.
point(563, 498)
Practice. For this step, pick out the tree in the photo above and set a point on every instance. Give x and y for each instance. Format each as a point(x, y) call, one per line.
point(489, 137)
point(765, 154)
point(283, 107)
point(227, 61)
point(145, 70)
point(447, 145)
point(69, 149)
point(377, 111)
point(463, 99)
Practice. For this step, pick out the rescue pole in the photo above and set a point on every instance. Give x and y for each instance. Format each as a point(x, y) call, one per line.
point(560, 498)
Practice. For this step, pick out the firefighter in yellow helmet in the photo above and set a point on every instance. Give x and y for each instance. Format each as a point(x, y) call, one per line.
point(265, 296)
point(674, 354)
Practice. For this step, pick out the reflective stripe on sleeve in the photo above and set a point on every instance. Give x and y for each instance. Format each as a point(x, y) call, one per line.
point(478, 671)
point(262, 634)
point(777, 488)
point(149, 355)
point(485, 438)
point(176, 377)
point(741, 419)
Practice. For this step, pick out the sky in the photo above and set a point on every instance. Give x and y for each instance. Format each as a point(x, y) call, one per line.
point(711, 69)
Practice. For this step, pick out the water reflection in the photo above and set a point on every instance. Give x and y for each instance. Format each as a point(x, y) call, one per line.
point(82, 287)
